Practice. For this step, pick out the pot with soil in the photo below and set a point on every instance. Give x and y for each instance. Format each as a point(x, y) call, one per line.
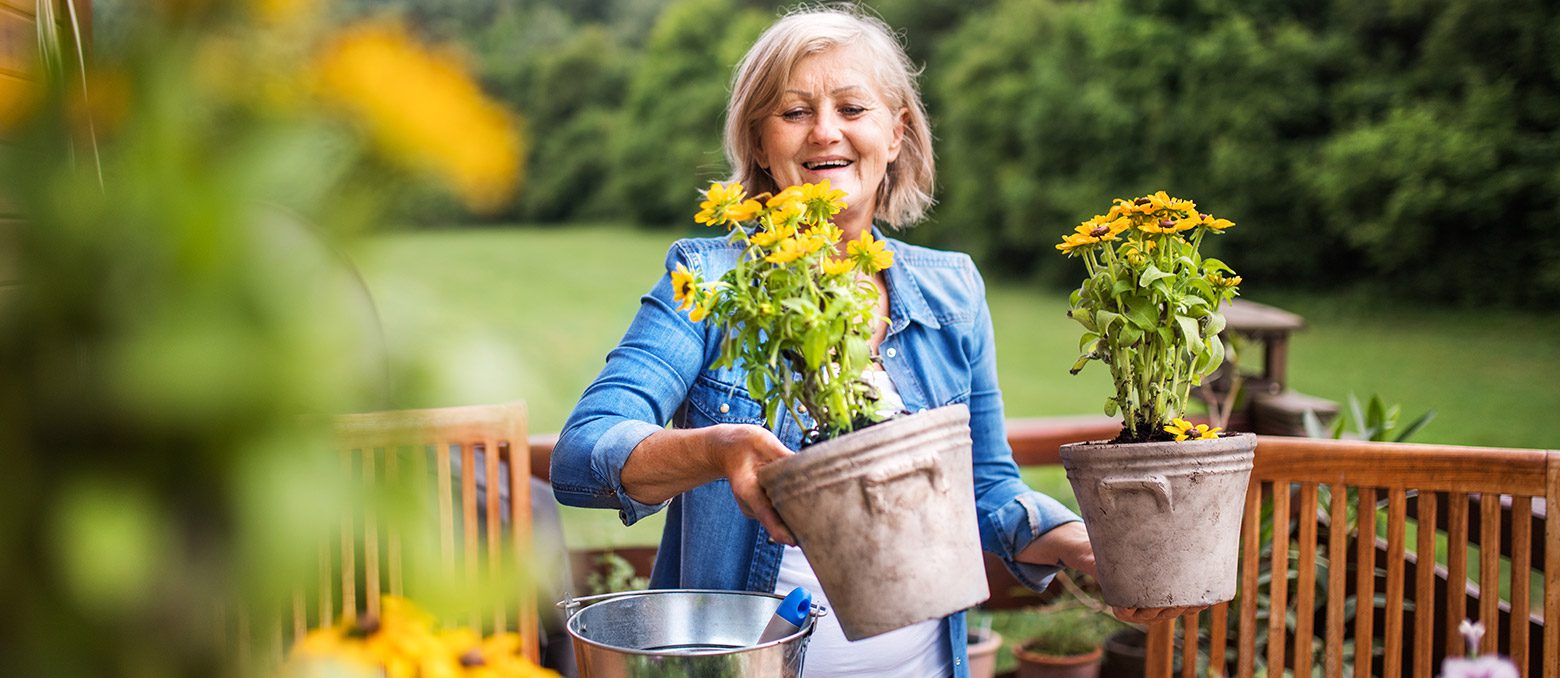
point(886, 516)
point(1163, 517)
point(1066, 642)
point(885, 510)
point(1163, 501)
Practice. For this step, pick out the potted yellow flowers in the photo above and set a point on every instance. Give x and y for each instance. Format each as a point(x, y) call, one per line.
point(798, 318)
point(1163, 500)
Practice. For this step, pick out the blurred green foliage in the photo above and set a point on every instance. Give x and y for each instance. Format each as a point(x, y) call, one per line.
point(1404, 147)
point(178, 326)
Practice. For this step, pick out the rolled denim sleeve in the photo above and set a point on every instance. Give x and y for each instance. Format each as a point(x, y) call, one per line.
point(646, 378)
point(1011, 514)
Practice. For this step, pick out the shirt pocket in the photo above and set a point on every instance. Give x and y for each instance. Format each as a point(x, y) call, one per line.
point(712, 401)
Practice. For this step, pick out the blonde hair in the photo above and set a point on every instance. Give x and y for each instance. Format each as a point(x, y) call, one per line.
point(906, 191)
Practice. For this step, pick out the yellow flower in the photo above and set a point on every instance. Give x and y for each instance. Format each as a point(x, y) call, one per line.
point(776, 233)
point(1184, 430)
point(812, 242)
point(1074, 241)
point(1222, 282)
point(836, 266)
point(785, 251)
point(683, 287)
point(1162, 201)
point(423, 110)
point(701, 311)
point(718, 200)
point(1214, 224)
point(743, 211)
point(791, 195)
point(822, 201)
point(787, 214)
point(1159, 226)
point(1102, 228)
point(870, 255)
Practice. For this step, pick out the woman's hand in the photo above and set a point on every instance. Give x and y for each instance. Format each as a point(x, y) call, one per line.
point(673, 461)
point(1068, 545)
point(740, 449)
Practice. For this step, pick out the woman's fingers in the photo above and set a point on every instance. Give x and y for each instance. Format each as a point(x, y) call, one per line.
point(1150, 615)
point(747, 448)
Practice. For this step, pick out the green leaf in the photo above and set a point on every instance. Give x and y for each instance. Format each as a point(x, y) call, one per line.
point(1110, 407)
point(1129, 335)
point(1085, 319)
point(1151, 274)
point(814, 346)
point(1189, 332)
point(1078, 366)
point(1215, 324)
point(1104, 319)
point(1143, 312)
point(1087, 341)
point(1414, 427)
point(1211, 264)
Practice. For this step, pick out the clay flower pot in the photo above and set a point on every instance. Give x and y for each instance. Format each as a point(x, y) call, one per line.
point(1034, 662)
point(886, 516)
point(1164, 517)
point(983, 648)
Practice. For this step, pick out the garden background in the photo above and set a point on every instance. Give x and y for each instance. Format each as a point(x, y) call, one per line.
point(1392, 167)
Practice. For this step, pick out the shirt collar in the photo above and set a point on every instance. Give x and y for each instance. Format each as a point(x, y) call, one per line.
point(905, 301)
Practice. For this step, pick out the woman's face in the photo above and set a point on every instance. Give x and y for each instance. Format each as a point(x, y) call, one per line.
point(833, 123)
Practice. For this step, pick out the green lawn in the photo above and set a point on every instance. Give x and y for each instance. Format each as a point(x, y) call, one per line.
point(529, 313)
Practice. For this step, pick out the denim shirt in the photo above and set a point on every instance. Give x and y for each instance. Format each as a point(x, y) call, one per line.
point(938, 351)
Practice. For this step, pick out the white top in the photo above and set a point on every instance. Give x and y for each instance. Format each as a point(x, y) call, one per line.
point(912, 652)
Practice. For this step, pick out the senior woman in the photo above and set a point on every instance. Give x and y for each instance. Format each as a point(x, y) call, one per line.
point(823, 95)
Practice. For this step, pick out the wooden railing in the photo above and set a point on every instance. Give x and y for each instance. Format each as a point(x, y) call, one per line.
point(1386, 488)
point(1326, 503)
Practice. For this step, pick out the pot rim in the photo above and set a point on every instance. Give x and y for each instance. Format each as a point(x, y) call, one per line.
point(569, 624)
point(1020, 652)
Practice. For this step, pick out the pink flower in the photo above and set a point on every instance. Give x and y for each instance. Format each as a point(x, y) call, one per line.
point(1474, 666)
point(1487, 666)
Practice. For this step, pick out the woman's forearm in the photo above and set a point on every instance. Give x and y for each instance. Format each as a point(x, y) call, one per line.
point(668, 463)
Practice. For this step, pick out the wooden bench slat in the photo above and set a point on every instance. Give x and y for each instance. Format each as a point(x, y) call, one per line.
point(1489, 571)
point(1521, 578)
point(1305, 595)
point(1456, 570)
point(1278, 583)
point(1424, 595)
point(1393, 664)
point(1365, 581)
point(1432, 467)
point(1250, 539)
point(1337, 573)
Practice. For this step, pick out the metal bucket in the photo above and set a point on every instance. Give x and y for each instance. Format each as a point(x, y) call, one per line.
point(682, 632)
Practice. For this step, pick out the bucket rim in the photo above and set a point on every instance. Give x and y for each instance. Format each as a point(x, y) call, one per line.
point(573, 611)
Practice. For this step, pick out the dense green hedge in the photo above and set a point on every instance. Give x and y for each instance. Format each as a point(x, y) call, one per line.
point(1403, 145)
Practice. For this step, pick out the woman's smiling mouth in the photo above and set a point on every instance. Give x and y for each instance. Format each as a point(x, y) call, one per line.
point(825, 164)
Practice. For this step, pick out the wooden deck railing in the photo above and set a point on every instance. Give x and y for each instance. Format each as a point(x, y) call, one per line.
point(1386, 488)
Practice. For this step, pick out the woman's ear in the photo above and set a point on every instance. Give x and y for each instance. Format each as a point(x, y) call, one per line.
point(898, 138)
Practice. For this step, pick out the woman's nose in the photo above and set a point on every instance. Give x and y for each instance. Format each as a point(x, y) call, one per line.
point(826, 129)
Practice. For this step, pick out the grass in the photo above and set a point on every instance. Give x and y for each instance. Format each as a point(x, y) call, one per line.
point(530, 313)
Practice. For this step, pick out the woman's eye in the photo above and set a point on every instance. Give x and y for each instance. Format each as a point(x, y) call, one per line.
point(794, 114)
point(852, 111)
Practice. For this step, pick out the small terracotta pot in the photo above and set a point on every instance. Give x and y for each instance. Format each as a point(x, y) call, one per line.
point(983, 653)
point(1033, 664)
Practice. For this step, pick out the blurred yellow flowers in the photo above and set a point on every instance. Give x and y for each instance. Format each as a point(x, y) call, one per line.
point(725, 204)
point(423, 110)
point(404, 643)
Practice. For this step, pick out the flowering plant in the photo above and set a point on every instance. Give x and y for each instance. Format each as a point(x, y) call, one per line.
point(1476, 665)
point(403, 642)
point(1149, 307)
point(796, 316)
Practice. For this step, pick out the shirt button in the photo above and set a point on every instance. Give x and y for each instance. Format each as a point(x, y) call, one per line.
point(724, 408)
point(891, 352)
